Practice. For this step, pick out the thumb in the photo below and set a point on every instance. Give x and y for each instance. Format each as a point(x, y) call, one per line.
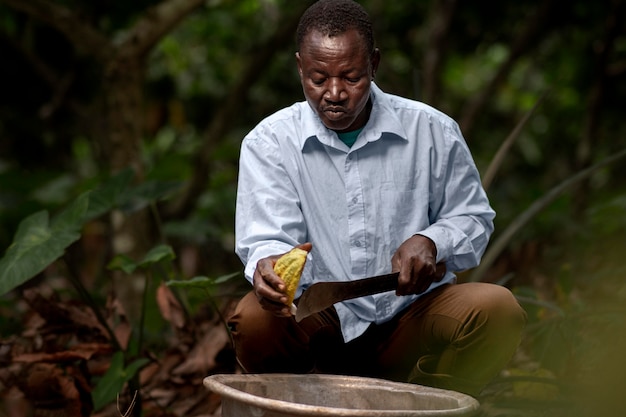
point(305, 246)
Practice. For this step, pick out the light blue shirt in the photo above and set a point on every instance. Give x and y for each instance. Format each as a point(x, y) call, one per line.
point(409, 172)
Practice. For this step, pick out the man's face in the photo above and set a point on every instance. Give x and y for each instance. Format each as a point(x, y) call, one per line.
point(336, 74)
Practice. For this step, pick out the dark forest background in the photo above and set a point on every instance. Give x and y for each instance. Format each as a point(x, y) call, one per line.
point(120, 127)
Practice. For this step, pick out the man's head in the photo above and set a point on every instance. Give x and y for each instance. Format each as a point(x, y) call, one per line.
point(337, 60)
point(333, 17)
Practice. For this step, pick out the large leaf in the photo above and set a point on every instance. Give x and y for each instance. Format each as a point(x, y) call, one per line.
point(39, 242)
point(119, 191)
point(107, 195)
point(141, 195)
point(114, 379)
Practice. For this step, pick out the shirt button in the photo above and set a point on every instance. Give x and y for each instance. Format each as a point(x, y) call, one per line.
point(355, 200)
point(357, 244)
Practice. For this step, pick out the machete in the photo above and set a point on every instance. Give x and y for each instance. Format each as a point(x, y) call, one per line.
point(322, 295)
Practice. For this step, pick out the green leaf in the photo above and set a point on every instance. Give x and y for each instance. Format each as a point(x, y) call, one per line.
point(122, 263)
point(201, 281)
point(111, 383)
point(113, 380)
point(107, 196)
point(195, 282)
point(145, 193)
point(38, 243)
point(73, 216)
point(155, 190)
point(134, 367)
point(227, 277)
point(157, 254)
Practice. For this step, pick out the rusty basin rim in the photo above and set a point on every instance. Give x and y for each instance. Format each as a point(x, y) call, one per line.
point(218, 384)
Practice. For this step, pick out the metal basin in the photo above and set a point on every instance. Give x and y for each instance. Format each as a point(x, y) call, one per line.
point(282, 395)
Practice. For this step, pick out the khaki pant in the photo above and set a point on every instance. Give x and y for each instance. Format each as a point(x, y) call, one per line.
point(457, 337)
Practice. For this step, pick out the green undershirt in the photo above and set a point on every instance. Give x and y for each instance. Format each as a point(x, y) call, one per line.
point(349, 137)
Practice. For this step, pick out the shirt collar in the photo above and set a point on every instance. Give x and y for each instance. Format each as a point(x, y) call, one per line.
point(382, 121)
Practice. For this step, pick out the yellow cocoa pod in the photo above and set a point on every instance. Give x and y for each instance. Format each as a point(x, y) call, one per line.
point(289, 267)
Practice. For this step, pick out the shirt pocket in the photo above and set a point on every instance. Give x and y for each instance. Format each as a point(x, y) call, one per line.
point(398, 208)
point(403, 213)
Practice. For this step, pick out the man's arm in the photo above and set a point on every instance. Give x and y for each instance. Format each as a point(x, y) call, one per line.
point(461, 217)
point(461, 221)
point(268, 220)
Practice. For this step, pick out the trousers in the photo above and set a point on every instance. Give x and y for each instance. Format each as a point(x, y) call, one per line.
point(456, 337)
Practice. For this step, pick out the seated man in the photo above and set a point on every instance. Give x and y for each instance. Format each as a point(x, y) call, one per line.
point(370, 183)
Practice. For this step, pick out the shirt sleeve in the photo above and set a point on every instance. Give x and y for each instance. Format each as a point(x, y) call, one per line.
point(460, 213)
point(268, 218)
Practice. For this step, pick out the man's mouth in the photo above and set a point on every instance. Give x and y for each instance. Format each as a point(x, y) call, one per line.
point(334, 112)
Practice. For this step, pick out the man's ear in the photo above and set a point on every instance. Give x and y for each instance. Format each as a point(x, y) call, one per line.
point(375, 60)
point(299, 63)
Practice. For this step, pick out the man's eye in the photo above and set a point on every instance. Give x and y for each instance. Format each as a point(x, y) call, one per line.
point(318, 81)
point(353, 80)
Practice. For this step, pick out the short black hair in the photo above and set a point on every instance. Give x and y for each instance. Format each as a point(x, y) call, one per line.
point(334, 17)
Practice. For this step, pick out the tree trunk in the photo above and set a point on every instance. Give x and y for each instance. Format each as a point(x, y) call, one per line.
point(435, 48)
point(119, 136)
point(595, 98)
point(114, 121)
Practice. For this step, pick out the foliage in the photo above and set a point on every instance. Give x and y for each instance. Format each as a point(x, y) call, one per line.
point(39, 243)
point(557, 243)
point(112, 383)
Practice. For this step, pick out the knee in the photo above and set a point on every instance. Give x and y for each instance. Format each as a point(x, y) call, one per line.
point(249, 323)
point(499, 306)
point(247, 330)
point(264, 342)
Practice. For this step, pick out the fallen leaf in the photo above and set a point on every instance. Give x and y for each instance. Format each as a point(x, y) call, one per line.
point(118, 321)
point(201, 359)
point(53, 389)
point(83, 351)
point(170, 308)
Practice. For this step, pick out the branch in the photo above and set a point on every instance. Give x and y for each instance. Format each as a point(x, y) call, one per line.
point(596, 99)
point(497, 160)
point(81, 35)
point(58, 84)
point(222, 122)
point(155, 23)
point(600, 84)
point(502, 242)
point(526, 40)
point(439, 26)
point(149, 29)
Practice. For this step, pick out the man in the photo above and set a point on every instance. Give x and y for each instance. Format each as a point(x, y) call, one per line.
point(369, 183)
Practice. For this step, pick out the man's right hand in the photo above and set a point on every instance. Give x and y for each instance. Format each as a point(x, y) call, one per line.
point(415, 260)
point(269, 288)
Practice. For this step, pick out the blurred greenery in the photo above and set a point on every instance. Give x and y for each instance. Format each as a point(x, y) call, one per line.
point(223, 65)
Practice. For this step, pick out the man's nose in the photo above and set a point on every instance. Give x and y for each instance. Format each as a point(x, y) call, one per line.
point(336, 91)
